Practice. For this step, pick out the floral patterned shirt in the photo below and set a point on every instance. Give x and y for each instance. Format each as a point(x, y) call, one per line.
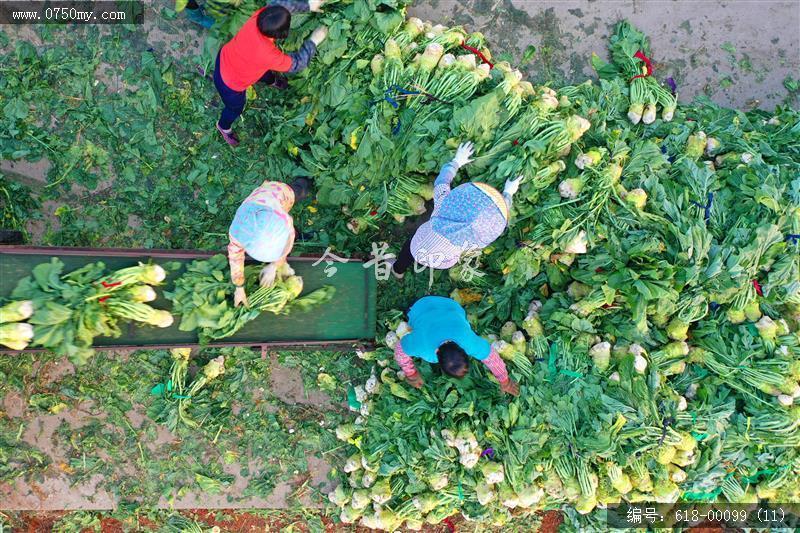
point(465, 219)
point(280, 197)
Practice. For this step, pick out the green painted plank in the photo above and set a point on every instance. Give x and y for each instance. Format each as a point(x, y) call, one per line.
point(349, 315)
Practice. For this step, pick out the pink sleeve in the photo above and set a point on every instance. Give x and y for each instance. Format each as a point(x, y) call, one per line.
point(405, 362)
point(496, 366)
point(236, 261)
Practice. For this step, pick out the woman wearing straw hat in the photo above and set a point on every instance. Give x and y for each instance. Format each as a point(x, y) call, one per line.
point(263, 229)
point(464, 220)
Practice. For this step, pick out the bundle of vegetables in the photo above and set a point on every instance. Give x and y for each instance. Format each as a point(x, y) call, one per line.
point(203, 296)
point(65, 312)
point(14, 333)
point(177, 397)
point(629, 53)
point(407, 198)
point(229, 14)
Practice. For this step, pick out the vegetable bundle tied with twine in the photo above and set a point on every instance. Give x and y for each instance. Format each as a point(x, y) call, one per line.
point(64, 312)
point(182, 403)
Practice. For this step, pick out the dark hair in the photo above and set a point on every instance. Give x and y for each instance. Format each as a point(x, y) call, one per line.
point(274, 22)
point(453, 360)
point(301, 188)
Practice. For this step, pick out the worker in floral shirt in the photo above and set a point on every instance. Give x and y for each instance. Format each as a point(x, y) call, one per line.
point(264, 229)
point(252, 57)
point(465, 219)
point(440, 333)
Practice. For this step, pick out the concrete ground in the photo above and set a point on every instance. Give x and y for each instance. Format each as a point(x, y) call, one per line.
point(738, 52)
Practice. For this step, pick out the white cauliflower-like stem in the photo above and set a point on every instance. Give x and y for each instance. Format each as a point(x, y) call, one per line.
point(391, 339)
point(640, 364)
point(578, 244)
point(682, 404)
point(372, 385)
point(361, 394)
point(470, 459)
point(785, 400)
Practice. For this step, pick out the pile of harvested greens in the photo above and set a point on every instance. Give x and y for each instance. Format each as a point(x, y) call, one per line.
point(65, 312)
point(646, 294)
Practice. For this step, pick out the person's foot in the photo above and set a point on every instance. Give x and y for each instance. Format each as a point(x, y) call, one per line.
point(198, 16)
point(229, 136)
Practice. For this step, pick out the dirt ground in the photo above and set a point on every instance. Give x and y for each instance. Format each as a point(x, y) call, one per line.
point(233, 521)
point(55, 492)
point(737, 52)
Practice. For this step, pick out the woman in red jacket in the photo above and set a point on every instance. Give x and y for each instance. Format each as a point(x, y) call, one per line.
point(252, 56)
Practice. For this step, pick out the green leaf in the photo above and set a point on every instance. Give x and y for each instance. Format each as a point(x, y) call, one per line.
point(527, 56)
point(207, 484)
point(15, 109)
point(604, 70)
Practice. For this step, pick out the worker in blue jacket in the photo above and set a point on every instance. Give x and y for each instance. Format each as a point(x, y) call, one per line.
point(440, 333)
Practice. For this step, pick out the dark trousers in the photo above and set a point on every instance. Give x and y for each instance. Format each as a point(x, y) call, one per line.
point(404, 259)
point(233, 101)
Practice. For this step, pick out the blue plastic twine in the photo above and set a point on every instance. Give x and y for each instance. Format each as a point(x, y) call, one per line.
point(389, 96)
point(706, 208)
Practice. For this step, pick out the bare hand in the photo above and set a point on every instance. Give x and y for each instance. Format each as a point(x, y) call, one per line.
point(240, 297)
point(319, 35)
point(315, 5)
point(415, 380)
point(510, 387)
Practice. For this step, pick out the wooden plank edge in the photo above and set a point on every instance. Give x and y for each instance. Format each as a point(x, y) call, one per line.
point(333, 346)
point(139, 252)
